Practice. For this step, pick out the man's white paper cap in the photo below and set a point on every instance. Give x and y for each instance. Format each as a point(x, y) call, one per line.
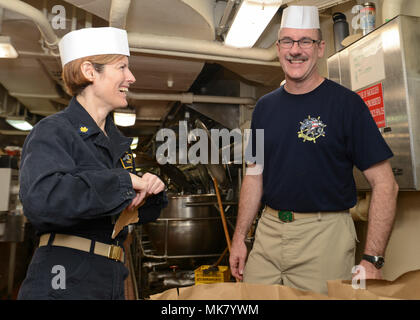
point(92, 41)
point(300, 17)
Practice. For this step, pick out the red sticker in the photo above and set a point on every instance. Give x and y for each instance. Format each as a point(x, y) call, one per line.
point(374, 99)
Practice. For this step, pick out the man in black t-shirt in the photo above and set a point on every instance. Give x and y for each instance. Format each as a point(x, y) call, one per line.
point(315, 131)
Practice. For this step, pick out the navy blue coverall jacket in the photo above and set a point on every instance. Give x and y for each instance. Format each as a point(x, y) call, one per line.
point(75, 180)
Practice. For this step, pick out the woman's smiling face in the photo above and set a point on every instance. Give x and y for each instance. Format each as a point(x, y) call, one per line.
point(111, 85)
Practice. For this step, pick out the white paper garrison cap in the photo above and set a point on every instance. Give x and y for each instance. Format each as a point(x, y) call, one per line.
point(92, 41)
point(300, 17)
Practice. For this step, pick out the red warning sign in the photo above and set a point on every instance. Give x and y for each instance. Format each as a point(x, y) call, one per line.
point(374, 99)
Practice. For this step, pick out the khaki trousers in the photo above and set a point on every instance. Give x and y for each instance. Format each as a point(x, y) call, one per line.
point(302, 254)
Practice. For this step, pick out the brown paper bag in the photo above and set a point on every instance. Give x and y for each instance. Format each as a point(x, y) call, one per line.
point(126, 217)
point(405, 287)
point(342, 289)
point(238, 291)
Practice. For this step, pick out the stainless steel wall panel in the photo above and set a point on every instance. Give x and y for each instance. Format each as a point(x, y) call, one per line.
point(334, 68)
point(390, 56)
point(411, 52)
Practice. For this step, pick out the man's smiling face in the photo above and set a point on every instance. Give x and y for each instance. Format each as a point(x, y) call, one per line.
point(299, 64)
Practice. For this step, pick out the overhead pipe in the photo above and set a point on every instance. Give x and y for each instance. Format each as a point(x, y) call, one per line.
point(118, 13)
point(225, 17)
point(14, 133)
point(206, 57)
point(47, 32)
point(186, 97)
point(34, 95)
point(190, 98)
point(177, 46)
point(1, 18)
point(214, 48)
point(88, 20)
point(117, 18)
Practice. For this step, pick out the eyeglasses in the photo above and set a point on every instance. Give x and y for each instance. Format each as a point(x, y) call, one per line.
point(304, 43)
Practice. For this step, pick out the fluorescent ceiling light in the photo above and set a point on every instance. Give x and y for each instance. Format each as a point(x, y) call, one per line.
point(19, 123)
point(124, 117)
point(252, 18)
point(6, 48)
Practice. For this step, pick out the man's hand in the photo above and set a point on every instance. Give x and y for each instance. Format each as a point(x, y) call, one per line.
point(370, 271)
point(238, 252)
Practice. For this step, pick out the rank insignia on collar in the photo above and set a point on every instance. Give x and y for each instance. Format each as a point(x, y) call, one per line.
point(83, 129)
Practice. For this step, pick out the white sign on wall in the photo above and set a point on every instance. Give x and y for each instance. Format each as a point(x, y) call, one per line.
point(367, 64)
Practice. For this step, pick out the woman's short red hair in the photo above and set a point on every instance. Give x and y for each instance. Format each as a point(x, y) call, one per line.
point(74, 80)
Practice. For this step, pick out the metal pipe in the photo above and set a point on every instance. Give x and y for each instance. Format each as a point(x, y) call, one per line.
point(34, 95)
point(151, 264)
point(35, 54)
point(74, 18)
point(37, 16)
point(154, 256)
point(172, 45)
point(88, 20)
point(1, 18)
point(187, 97)
point(118, 13)
point(225, 100)
point(214, 48)
point(206, 57)
point(222, 214)
point(190, 98)
point(225, 17)
point(178, 282)
point(14, 133)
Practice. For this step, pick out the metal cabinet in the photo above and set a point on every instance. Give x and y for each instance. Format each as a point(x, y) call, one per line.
point(384, 68)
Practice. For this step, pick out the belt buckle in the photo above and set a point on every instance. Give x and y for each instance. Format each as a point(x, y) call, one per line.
point(286, 216)
point(114, 252)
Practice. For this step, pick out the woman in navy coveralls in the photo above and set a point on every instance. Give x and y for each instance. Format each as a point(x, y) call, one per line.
point(77, 175)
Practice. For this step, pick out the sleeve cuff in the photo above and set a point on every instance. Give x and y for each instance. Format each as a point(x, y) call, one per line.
point(126, 187)
point(158, 200)
point(151, 210)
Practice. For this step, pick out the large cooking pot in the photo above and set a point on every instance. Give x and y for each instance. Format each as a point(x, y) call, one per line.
point(189, 226)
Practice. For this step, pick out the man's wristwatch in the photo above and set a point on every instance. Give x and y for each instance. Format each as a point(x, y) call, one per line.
point(377, 261)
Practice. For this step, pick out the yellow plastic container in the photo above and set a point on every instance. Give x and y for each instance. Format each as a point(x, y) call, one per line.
point(203, 275)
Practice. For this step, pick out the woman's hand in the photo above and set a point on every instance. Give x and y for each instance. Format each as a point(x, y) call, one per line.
point(144, 186)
